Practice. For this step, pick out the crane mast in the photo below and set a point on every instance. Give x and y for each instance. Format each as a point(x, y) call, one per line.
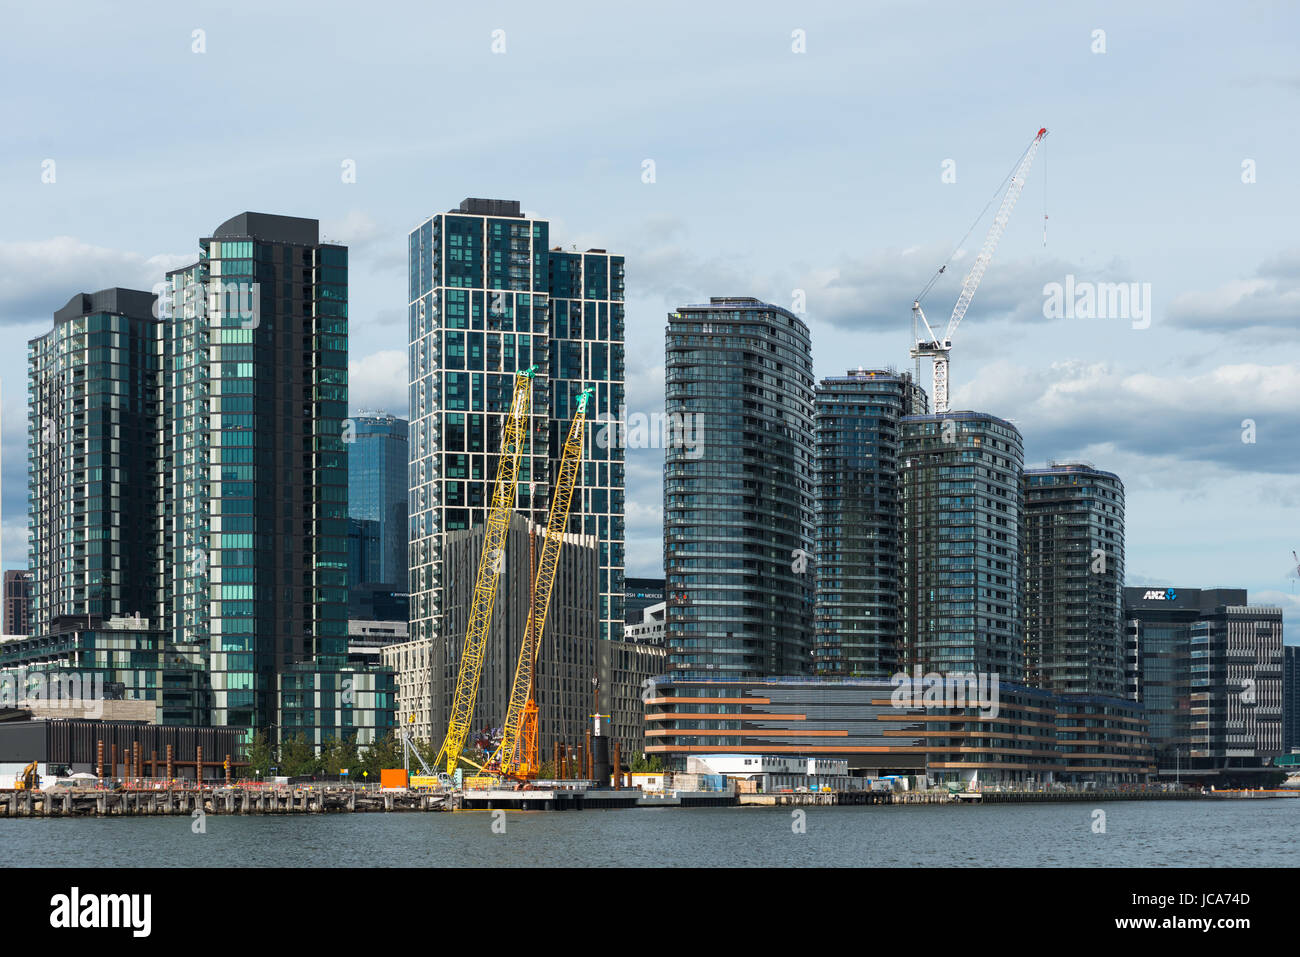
point(517, 756)
point(514, 434)
point(937, 349)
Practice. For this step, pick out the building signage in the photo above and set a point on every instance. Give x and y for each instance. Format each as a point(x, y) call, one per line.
point(1163, 594)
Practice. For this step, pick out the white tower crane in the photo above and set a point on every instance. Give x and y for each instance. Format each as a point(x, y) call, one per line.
point(934, 347)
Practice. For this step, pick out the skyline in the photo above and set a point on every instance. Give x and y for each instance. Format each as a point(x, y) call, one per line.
point(859, 215)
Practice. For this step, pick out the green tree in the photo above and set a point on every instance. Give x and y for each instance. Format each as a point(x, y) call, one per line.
point(337, 755)
point(297, 757)
point(384, 753)
point(643, 765)
point(260, 755)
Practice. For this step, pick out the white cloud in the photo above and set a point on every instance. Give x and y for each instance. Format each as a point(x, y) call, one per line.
point(38, 277)
point(378, 381)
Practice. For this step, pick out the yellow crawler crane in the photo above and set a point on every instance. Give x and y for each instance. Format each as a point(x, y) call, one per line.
point(514, 434)
point(517, 756)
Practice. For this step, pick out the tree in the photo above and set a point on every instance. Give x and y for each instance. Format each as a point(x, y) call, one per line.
point(643, 765)
point(384, 753)
point(260, 755)
point(298, 757)
point(338, 755)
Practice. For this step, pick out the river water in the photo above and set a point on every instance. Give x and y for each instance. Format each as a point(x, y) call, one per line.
point(1229, 833)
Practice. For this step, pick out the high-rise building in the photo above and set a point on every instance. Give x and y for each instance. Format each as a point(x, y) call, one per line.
point(483, 286)
point(197, 474)
point(1072, 537)
point(738, 496)
point(961, 544)
point(1208, 666)
point(1290, 698)
point(91, 456)
point(638, 595)
point(377, 463)
point(585, 292)
point(18, 601)
point(859, 513)
point(365, 547)
point(256, 395)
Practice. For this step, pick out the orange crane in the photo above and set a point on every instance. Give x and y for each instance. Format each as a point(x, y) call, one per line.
point(517, 757)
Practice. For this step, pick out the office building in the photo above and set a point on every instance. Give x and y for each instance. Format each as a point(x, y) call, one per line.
point(365, 559)
point(1072, 538)
point(1290, 699)
point(1026, 737)
point(961, 544)
point(489, 296)
point(859, 516)
point(738, 496)
point(377, 463)
point(1208, 667)
point(639, 594)
point(18, 601)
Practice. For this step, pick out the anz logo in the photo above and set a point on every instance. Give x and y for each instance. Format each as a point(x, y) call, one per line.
point(1164, 594)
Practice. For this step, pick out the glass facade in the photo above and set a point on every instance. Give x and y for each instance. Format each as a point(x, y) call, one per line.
point(377, 461)
point(483, 286)
point(738, 499)
point(961, 474)
point(188, 465)
point(1073, 542)
point(256, 397)
point(859, 508)
point(92, 408)
point(1209, 669)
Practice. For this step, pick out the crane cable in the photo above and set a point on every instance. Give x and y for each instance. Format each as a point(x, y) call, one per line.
point(996, 194)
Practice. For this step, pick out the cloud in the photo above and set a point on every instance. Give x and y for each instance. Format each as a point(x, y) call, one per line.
point(378, 382)
point(1270, 300)
point(1196, 418)
point(39, 276)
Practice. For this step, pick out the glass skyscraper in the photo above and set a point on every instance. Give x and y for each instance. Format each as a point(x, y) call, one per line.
point(738, 494)
point(377, 462)
point(92, 445)
point(489, 296)
point(859, 514)
point(256, 545)
point(1073, 543)
point(197, 476)
point(961, 474)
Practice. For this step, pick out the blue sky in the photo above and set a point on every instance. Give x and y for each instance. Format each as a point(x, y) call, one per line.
point(774, 171)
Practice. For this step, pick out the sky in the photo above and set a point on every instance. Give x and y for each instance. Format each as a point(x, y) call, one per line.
point(825, 153)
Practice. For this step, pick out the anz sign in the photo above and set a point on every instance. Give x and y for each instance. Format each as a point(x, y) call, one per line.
point(1163, 594)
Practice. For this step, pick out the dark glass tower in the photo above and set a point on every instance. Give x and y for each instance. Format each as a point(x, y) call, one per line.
point(1073, 542)
point(738, 506)
point(256, 546)
point(377, 460)
point(961, 544)
point(859, 507)
point(92, 466)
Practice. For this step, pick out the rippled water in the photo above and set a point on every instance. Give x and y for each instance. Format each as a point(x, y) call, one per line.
point(1137, 833)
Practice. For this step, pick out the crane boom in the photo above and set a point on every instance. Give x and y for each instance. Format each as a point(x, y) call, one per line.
point(514, 434)
point(517, 756)
point(938, 349)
